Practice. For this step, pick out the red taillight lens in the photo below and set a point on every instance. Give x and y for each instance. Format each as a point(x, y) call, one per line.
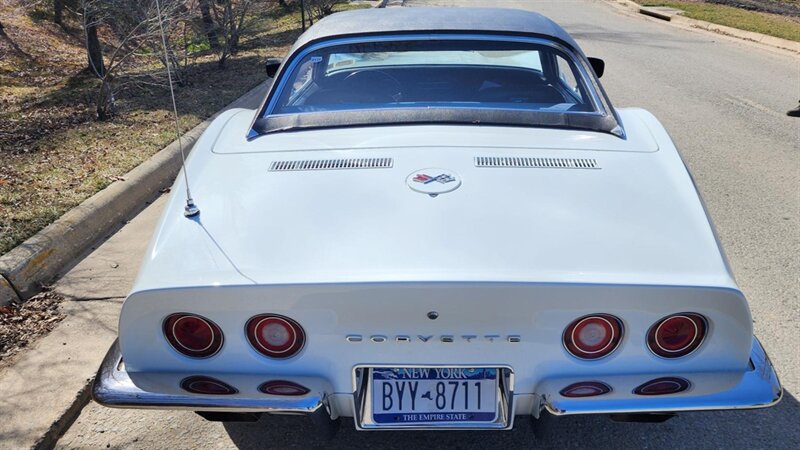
point(585, 389)
point(677, 335)
point(594, 336)
point(282, 387)
point(275, 336)
point(193, 335)
point(207, 385)
point(662, 386)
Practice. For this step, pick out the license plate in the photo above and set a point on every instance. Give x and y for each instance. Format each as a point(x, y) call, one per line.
point(434, 395)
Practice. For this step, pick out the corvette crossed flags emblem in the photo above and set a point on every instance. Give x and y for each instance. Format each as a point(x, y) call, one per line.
point(427, 179)
point(433, 181)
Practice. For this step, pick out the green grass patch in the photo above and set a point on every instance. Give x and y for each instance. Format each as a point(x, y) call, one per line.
point(769, 24)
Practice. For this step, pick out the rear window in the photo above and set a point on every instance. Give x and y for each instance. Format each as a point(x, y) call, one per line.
point(435, 74)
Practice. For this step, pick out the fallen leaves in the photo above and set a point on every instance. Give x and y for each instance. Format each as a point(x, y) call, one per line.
point(21, 324)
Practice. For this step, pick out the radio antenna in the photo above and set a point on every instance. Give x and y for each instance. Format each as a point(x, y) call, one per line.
point(190, 209)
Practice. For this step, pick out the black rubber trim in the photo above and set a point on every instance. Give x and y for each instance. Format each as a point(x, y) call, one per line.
point(435, 116)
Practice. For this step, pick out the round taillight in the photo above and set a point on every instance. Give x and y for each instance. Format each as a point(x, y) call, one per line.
point(677, 335)
point(193, 335)
point(206, 385)
point(585, 389)
point(282, 387)
point(594, 336)
point(275, 336)
point(662, 386)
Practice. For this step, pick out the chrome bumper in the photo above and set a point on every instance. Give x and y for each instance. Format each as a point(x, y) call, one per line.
point(114, 388)
point(756, 388)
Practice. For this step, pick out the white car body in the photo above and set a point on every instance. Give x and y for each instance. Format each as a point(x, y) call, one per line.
point(506, 260)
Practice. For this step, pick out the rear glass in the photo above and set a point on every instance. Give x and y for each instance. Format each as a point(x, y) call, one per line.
point(435, 73)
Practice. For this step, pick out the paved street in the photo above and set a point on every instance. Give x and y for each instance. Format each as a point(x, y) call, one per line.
point(724, 104)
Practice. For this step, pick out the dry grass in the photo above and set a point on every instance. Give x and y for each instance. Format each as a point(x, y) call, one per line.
point(54, 155)
point(786, 27)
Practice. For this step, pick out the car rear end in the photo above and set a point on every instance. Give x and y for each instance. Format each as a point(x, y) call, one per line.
point(362, 350)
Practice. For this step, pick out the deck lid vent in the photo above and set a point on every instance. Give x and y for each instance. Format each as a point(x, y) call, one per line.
point(331, 164)
point(536, 163)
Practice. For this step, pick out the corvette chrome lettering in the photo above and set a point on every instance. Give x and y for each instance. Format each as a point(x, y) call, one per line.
point(445, 338)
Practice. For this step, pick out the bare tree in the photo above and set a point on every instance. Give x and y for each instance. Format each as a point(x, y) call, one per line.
point(322, 8)
point(133, 33)
point(142, 16)
point(231, 17)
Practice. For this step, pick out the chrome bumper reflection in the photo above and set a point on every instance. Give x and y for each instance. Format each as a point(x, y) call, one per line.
point(113, 387)
point(757, 388)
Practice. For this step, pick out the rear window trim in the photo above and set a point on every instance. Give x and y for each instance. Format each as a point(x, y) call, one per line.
point(258, 127)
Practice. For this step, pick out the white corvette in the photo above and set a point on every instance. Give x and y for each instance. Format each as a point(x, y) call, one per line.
point(436, 220)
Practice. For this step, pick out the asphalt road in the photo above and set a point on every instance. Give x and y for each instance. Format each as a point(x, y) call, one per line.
point(724, 104)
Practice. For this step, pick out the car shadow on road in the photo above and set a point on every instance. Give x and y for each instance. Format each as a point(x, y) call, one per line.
point(767, 428)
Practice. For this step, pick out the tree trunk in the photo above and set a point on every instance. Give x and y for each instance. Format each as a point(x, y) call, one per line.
point(208, 23)
point(303, 15)
point(105, 101)
point(234, 45)
point(178, 71)
point(94, 50)
point(58, 12)
point(310, 14)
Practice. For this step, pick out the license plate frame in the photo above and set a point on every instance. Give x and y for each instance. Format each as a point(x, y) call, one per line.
point(363, 396)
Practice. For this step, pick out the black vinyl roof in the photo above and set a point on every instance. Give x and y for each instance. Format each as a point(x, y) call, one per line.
point(441, 20)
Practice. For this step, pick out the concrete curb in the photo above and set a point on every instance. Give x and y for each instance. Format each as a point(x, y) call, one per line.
point(40, 259)
point(60, 426)
point(783, 44)
point(693, 24)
